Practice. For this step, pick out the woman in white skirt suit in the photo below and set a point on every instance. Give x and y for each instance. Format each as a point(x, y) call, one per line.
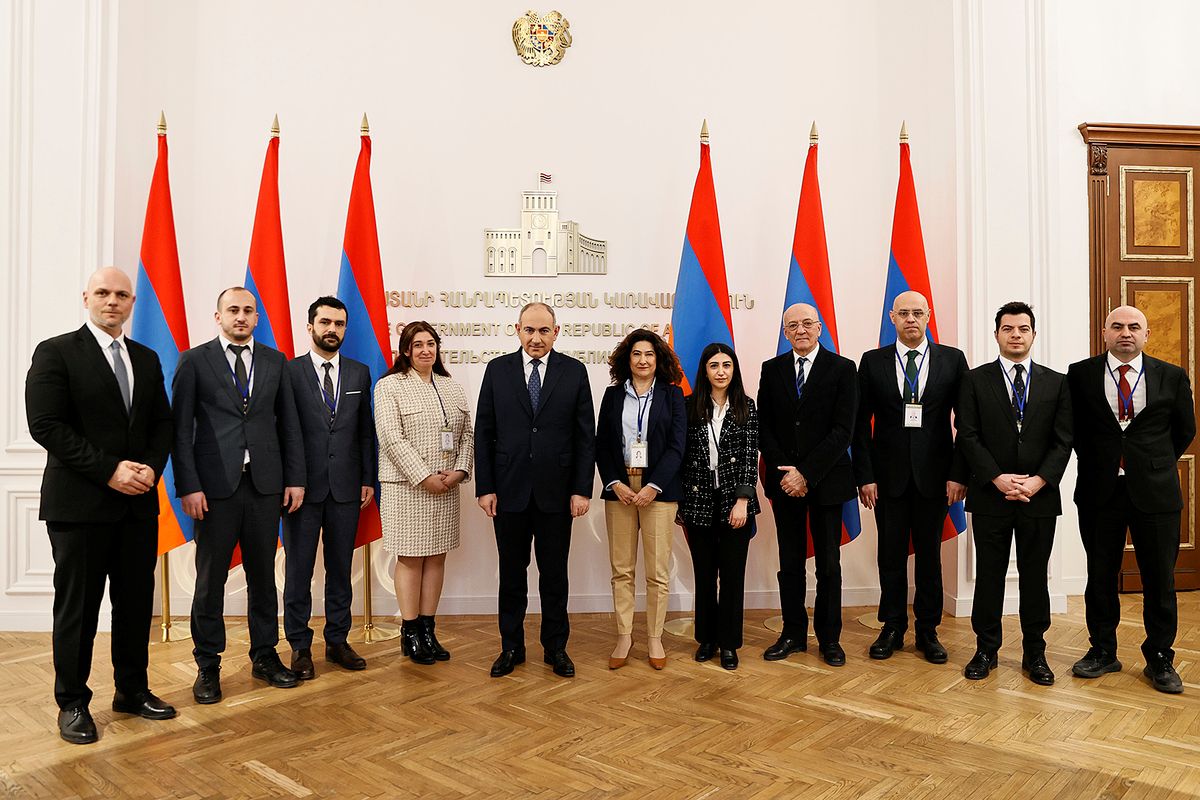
point(426, 449)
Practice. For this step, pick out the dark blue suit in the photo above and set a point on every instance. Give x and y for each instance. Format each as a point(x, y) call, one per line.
point(666, 431)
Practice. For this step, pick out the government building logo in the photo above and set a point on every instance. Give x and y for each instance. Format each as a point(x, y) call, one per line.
point(543, 246)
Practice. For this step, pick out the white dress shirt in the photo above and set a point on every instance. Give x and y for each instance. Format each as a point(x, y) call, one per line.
point(1136, 383)
point(334, 374)
point(808, 365)
point(527, 362)
point(922, 366)
point(105, 341)
point(1010, 369)
point(714, 436)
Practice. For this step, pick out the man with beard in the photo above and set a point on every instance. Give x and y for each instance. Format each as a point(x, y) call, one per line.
point(333, 400)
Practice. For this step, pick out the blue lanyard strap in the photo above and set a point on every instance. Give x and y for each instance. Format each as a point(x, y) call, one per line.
point(244, 391)
point(1123, 402)
point(445, 416)
point(1018, 399)
point(332, 402)
point(642, 406)
point(912, 385)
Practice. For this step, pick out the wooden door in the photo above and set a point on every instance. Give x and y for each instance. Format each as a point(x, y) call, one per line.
point(1142, 242)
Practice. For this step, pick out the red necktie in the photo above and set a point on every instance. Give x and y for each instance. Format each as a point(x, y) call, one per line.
point(1124, 395)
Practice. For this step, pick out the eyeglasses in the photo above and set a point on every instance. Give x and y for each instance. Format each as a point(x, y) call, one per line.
point(807, 324)
point(905, 313)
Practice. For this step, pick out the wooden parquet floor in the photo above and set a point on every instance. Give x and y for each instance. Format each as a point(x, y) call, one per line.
point(899, 728)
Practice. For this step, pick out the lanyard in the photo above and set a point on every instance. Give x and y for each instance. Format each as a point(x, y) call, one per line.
point(337, 391)
point(1121, 400)
point(649, 395)
point(245, 390)
point(445, 416)
point(1018, 399)
point(912, 385)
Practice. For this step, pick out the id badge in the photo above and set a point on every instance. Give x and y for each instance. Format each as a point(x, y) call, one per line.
point(912, 415)
point(447, 441)
point(639, 455)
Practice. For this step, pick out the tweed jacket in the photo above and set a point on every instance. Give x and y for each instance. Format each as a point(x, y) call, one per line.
point(409, 421)
point(737, 471)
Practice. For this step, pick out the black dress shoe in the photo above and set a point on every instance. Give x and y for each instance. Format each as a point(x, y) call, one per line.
point(929, 645)
point(1039, 671)
point(342, 654)
point(508, 659)
point(431, 641)
point(563, 666)
point(833, 654)
point(75, 725)
point(144, 704)
point(1097, 662)
point(1162, 675)
point(207, 688)
point(729, 658)
point(783, 648)
point(705, 651)
point(979, 666)
point(302, 664)
point(270, 669)
point(890, 640)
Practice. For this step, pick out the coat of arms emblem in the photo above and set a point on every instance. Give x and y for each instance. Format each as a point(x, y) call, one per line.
point(541, 39)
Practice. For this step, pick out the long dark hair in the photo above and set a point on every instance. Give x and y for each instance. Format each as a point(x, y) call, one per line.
point(403, 364)
point(666, 363)
point(700, 403)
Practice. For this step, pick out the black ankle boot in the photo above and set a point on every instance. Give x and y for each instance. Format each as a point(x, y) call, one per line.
point(430, 638)
point(412, 643)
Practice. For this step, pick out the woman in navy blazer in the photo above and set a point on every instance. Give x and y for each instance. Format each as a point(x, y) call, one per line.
point(639, 448)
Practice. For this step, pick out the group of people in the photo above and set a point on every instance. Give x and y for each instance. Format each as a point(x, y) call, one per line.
point(254, 438)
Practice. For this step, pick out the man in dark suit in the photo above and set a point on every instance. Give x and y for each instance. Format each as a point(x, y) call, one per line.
point(534, 464)
point(95, 400)
point(1134, 418)
point(238, 449)
point(902, 463)
point(806, 406)
point(333, 400)
point(1014, 431)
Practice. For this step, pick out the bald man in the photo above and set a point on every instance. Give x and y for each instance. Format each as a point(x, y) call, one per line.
point(904, 464)
point(806, 405)
point(1134, 418)
point(95, 400)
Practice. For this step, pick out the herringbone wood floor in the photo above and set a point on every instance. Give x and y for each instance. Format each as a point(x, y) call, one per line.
point(873, 729)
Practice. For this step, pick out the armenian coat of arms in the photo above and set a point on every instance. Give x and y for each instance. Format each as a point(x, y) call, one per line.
point(541, 39)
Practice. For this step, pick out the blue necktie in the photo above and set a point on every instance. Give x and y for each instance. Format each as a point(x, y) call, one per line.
point(800, 376)
point(535, 384)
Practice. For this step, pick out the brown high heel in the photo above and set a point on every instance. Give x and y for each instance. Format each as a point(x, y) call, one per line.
point(617, 663)
point(657, 663)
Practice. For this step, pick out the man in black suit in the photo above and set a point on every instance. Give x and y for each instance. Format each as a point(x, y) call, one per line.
point(806, 406)
point(333, 400)
point(902, 465)
point(1014, 431)
point(95, 400)
point(534, 462)
point(1134, 418)
point(238, 449)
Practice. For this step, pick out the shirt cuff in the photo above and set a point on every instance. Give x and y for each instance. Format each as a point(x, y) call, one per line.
point(608, 486)
point(655, 487)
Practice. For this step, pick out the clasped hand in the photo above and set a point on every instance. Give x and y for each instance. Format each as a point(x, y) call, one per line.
point(1018, 488)
point(443, 481)
point(792, 482)
point(132, 478)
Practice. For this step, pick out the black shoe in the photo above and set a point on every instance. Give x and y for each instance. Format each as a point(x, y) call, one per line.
point(833, 654)
point(508, 659)
point(412, 643)
point(563, 666)
point(929, 645)
point(144, 704)
point(431, 643)
point(207, 688)
point(890, 640)
point(342, 654)
point(270, 669)
point(705, 651)
point(1097, 662)
point(1039, 671)
point(302, 664)
point(980, 665)
point(1162, 675)
point(784, 647)
point(729, 658)
point(75, 725)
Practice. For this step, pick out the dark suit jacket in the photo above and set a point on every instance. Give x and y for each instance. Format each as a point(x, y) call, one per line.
point(991, 446)
point(664, 435)
point(339, 458)
point(211, 433)
point(75, 411)
point(737, 470)
point(541, 458)
point(1151, 445)
point(889, 454)
point(811, 433)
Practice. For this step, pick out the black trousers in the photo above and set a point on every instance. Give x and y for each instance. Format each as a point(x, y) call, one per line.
point(825, 522)
point(251, 520)
point(335, 524)
point(85, 555)
point(910, 516)
point(719, 562)
point(993, 538)
point(1102, 527)
point(550, 537)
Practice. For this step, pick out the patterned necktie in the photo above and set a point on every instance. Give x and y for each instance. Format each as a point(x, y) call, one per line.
point(123, 374)
point(910, 373)
point(1019, 391)
point(800, 365)
point(535, 384)
point(1124, 395)
point(328, 391)
point(239, 373)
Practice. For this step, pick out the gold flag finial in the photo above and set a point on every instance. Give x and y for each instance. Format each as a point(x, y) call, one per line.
point(704, 132)
point(365, 129)
point(903, 132)
point(275, 128)
point(162, 123)
point(812, 133)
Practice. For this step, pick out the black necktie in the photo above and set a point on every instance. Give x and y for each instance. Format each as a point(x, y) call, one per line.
point(239, 372)
point(910, 373)
point(1019, 391)
point(535, 384)
point(328, 390)
point(800, 376)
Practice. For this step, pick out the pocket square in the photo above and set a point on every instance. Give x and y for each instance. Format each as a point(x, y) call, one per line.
point(356, 391)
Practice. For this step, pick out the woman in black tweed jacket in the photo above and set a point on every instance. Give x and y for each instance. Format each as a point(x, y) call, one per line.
point(720, 499)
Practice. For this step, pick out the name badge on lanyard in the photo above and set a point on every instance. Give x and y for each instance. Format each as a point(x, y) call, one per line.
point(639, 451)
point(446, 436)
point(912, 415)
point(912, 411)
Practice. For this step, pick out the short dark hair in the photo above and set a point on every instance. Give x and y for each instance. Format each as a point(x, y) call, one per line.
point(666, 369)
point(403, 364)
point(327, 300)
point(221, 296)
point(1015, 307)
